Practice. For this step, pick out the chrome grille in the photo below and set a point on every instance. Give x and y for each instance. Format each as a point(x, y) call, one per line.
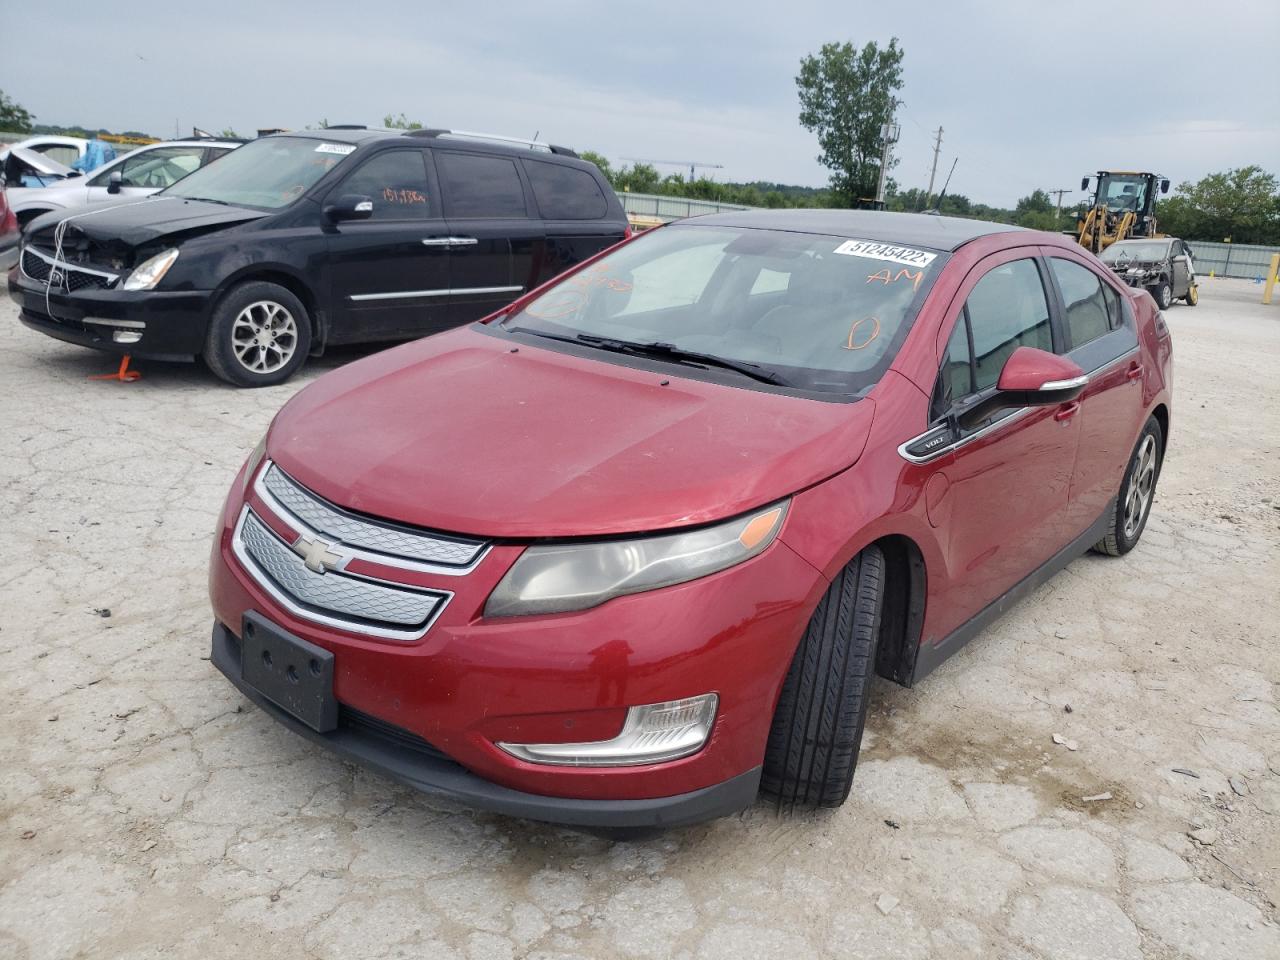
point(62, 275)
point(295, 503)
point(335, 598)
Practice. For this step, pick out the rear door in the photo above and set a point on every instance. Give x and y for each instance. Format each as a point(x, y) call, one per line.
point(490, 232)
point(1007, 480)
point(388, 279)
point(575, 214)
point(1102, 338)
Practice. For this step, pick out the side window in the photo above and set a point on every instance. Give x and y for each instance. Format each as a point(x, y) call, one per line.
point(1007, 309)
point(1087, 314)
point(158, 168)
point(955, 379)
point(396, 182)
point(61, 152)
point(1115, 310)
point(565, 193)
point(675, 280)
point(481, 187)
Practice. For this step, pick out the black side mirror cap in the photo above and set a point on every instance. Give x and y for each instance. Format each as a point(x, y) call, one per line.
point(115, 182)
point(1164, 186)
point(349, 206)
point(1084, 183)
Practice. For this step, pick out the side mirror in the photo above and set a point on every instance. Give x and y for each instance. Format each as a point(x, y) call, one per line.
point(115, 182)
point(1084, 183)
point(1164, 186)
point(1029, 378)
point(349, 206)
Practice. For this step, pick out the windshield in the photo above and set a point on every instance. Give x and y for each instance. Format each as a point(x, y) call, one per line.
point(1152, 250)
point(265, 174)
point(813, 312)
point(1120, 192)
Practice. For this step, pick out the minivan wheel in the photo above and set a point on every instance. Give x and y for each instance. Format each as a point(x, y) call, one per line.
point(259, 335)
point(817, 728)
point(1137, 492)
point(1163, 295)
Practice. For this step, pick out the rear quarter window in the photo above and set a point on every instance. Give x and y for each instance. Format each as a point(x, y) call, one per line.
point(565, 193)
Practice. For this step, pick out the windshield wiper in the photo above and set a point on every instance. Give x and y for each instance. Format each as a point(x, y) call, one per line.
point(665, 351)
point(210, 200)
point(669, 351)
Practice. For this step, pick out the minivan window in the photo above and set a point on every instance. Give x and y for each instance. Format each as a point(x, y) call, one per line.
point(1007, 309)
point(565, 193)
point(478, 187)
point(265, 174)
point(396, 182)
point(1082, 296)
point(819, 313)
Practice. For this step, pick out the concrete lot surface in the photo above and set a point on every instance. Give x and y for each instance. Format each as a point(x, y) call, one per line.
point(147, 811)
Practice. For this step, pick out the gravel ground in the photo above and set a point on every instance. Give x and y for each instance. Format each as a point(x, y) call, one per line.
point(146, 810)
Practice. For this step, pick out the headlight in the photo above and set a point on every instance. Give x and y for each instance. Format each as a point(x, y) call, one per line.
point(558, 578)
point(147, 274)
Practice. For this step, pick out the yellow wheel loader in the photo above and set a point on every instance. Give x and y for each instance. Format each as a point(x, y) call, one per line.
point(1122, 207)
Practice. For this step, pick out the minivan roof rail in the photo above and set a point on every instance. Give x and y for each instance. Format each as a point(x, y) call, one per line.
point(494, 137)
point(345, 126)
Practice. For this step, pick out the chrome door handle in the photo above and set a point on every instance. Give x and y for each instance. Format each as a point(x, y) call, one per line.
point(449, 242)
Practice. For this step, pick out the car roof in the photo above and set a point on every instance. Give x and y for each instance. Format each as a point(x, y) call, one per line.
point(471, 142)
point(910, 229)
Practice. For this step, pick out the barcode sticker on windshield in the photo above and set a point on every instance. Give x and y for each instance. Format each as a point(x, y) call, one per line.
point(341, 148)
point(886, 251)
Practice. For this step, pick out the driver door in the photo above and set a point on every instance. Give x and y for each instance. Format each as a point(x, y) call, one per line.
point(1181, 264)
point(1007, 481)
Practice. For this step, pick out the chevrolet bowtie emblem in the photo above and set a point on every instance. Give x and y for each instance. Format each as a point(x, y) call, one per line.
point(316, 554)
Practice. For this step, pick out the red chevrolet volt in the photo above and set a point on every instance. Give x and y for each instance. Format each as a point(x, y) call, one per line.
point(629, 552)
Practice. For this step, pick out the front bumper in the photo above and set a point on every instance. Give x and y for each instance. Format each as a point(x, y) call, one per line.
point(172, 323)
point(394, 753)
point(471, 682)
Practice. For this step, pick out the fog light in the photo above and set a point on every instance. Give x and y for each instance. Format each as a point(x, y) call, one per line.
point(126, 336)
point(652, 733)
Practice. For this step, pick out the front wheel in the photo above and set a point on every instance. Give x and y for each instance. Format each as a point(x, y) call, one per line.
point(258, 336)
point(1137, 492)
point(1162, 293)
point(1193, 296)
point(817, 728)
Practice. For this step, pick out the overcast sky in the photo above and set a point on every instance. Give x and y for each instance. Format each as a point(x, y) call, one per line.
point(1030, 93)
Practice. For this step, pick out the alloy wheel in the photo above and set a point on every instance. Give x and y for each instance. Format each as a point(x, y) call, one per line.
point(264, 336)
point(1142, 485)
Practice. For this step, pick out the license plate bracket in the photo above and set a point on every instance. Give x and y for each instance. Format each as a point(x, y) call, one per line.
point(295, 675)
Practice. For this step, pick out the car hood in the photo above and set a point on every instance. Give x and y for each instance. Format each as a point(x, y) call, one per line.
point(461, 433)
point(134, 222)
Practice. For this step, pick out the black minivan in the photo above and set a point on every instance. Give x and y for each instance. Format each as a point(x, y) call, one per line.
point(298, 241)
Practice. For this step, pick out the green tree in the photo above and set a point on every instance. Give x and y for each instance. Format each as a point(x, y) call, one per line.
point(229, 133)
point(400, 123)
point(1036, 211)
point(1242, 203)
point(600, 161)
point(13, 117)
point(639, 178)
point(846, 96)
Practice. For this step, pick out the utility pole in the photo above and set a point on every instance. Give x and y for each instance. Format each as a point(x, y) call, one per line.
point(889, 134)
point(937, 148)
point(1057, 214)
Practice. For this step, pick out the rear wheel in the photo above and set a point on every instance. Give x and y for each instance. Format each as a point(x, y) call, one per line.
point(817, 728)
point(259, 335)
point(1137, 492)
point(1163, 295)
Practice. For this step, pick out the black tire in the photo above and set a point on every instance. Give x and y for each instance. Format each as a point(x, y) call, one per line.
point(1162, 293)
point(817, 729)
point(1193, 296)
point(230, 356)
point(1123, 535)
